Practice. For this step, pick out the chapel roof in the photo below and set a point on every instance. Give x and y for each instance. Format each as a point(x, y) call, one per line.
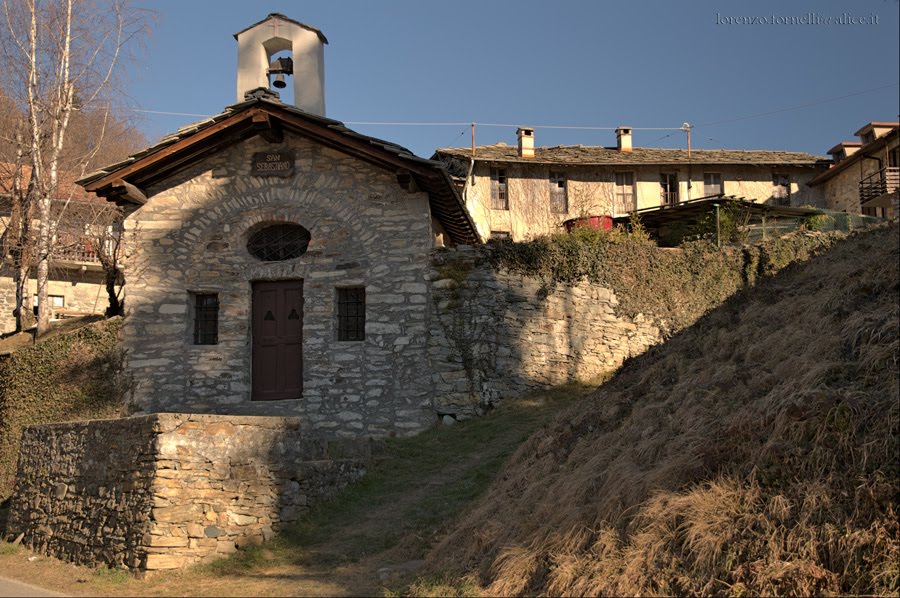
point(259, 113)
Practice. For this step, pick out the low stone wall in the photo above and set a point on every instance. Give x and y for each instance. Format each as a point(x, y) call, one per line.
point(167, 490)
point(495, 335)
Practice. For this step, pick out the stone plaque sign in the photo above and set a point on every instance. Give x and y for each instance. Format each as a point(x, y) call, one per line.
point(272, 164)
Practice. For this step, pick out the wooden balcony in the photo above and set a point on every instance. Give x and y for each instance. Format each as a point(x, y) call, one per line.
point(879, 184)
point(82, 249)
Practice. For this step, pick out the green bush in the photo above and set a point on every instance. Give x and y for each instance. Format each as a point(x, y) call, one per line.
point(73, 376)
point(676, 286)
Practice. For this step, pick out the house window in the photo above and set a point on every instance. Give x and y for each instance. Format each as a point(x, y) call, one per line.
point(625, 199)
point(499, 193)
point(351, 315)
point(781, 189)
point(54, 301)
point(868, 137)
point(206, 318)
point(559, 201)
point(668, 188)
point(894, 157)
point(500, 235)
point(712, 184)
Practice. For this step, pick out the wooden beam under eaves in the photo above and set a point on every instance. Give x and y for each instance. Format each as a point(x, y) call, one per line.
point(129, 191)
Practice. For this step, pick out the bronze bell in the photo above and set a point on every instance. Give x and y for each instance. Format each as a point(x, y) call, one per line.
point(281, 67)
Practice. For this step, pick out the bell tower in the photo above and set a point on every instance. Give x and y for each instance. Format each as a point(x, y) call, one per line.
point(276, 33)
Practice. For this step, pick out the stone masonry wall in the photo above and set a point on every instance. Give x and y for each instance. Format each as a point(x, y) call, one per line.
point(191, 236)
point(497, 335)
point(73, 489)
point(177, 489)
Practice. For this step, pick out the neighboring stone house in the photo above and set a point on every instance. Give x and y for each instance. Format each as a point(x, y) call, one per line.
point(278, 262)
point(520, 192)
point(866, 174)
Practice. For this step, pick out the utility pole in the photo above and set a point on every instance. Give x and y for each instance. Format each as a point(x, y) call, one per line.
point(686, 127)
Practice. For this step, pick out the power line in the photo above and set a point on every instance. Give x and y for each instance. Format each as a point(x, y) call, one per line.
point(169, 113)
point(569, 127)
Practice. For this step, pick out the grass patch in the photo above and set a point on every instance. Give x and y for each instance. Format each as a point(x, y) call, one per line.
point(439, 587)
point(112, 576)
point(240, 562)
point(8, 548)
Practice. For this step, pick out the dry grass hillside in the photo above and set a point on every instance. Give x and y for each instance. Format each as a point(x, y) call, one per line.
point(755, 452)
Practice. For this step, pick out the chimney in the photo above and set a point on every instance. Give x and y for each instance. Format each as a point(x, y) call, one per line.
point(257, 47)
point(623, 139)
point(526, 142)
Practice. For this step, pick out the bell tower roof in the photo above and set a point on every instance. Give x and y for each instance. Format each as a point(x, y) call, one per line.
point(278, 15)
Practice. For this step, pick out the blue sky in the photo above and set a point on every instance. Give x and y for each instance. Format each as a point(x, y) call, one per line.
point(577, 63)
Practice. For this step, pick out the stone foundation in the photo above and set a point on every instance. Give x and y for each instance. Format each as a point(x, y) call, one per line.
point(168, 490)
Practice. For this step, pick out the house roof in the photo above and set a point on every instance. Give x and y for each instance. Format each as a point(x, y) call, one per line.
point(610, 156)
point(278, 15)
point(124, 181)
point(838, 147)
point(877, 124)
point(858, 155)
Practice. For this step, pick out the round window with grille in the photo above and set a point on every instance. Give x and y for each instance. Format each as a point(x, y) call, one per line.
point(278, 242)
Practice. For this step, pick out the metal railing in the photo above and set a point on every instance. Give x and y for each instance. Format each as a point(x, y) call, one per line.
point(886, 180)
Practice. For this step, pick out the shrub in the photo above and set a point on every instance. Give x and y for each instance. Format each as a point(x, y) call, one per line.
point(72, 376)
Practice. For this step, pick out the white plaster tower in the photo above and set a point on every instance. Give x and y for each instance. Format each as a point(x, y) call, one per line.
point(276, 33)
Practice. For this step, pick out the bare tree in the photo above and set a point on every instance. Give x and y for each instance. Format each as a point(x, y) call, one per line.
point(62, 56)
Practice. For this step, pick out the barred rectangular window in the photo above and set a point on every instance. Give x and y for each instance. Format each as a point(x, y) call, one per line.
point(206, 319)
point(499, 192)
point(559, 200)
point(351, 315)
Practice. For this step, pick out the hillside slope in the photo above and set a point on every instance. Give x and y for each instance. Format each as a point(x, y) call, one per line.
point(756, 451)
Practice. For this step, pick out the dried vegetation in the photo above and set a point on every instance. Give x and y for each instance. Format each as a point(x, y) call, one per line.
point(755, 452)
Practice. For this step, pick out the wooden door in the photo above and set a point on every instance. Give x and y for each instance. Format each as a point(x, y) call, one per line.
point(277, 340)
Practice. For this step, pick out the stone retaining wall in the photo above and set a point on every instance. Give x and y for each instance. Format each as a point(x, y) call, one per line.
point(495, 335)
point(167, 490)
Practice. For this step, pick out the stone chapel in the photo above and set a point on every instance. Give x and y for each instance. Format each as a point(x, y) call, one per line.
point(277, 261)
